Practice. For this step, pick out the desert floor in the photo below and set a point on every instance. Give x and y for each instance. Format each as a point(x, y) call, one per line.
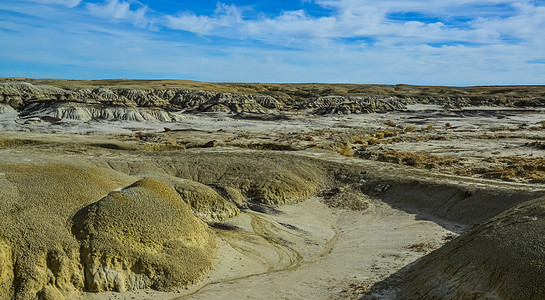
point(311, 250)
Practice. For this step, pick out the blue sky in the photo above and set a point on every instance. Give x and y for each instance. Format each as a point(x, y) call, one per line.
point(425, 42)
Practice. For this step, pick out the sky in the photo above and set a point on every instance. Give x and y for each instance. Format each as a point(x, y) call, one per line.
point(422, 42)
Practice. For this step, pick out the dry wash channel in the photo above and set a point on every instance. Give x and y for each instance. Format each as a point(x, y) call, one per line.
point(77, 218)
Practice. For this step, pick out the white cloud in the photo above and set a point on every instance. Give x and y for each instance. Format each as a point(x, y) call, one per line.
point(356, 42)
point(121, 10)
point(67, 3)
point(350, 19)
point(225, 16)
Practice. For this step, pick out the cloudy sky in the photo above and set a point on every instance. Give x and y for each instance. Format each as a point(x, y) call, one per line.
point(426, 42)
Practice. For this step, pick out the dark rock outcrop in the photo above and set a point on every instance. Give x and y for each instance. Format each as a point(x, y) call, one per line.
point(355, 104)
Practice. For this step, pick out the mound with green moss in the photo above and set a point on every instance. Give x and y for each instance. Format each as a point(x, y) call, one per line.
point(205, 202)
point(144, 236)
point(73, 224)
point(269, 178)
point(64, 231)
point(38, 253)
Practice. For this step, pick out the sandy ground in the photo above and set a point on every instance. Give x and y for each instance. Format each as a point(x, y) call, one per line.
point(308, 251)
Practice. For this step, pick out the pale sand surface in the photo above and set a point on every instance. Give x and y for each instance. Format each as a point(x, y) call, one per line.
point(308, 251)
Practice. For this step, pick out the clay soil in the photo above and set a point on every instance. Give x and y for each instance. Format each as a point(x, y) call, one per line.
point(341, 241)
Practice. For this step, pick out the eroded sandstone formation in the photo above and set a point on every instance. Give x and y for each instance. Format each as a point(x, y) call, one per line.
point(73, 224)
point(145, 101)
point(143, 236)
point(500, 259)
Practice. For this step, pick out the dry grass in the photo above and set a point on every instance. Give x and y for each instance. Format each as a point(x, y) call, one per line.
point(171, 142)
point(409, 128)
point(421, 247)
point(345, 150)
point(388, 133)
point(391, 123)
point(358, 140)
point(517, 169)
point(373, 141)
point(416, 160)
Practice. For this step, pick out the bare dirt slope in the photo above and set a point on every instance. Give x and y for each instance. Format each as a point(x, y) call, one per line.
point(500, 259)
point(184, 190)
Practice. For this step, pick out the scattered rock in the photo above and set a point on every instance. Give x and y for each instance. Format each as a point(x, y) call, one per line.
point(210, 144)
point(382, 187)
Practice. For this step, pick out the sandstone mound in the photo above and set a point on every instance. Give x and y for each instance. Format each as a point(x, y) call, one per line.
point(144, 236)
point(501, 259)
point(227, 102)
point(64, 232)
point(355, 104)
point(260, 98)
point(6, 109)
point(86, 112)
point(38, 253)
point(267, 178)
point(205, 202)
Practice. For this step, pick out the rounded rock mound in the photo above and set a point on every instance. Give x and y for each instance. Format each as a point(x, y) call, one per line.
point(501, 259)
point(144, 236)
point(205, 202)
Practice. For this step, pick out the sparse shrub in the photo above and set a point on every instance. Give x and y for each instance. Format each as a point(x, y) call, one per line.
point(429, 127)
point(379, 135)
point(535, 128)
point(496, 128)
point(409, 128)
point(391, 123)
point(171, 142)
point(421, 247)
point(373, 141)
point(358, 140)
point(388, 133)
point(345, 150)
point(422, 139)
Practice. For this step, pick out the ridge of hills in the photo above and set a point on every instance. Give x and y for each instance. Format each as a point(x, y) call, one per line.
point(99, 99)
point(167, 185)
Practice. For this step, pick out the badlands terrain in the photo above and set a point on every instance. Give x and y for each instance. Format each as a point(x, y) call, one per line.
point(164, 189)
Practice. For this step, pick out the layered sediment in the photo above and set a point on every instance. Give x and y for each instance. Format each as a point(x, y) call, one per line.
point(500, 259)
point(155, 100)
point(121, 207)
